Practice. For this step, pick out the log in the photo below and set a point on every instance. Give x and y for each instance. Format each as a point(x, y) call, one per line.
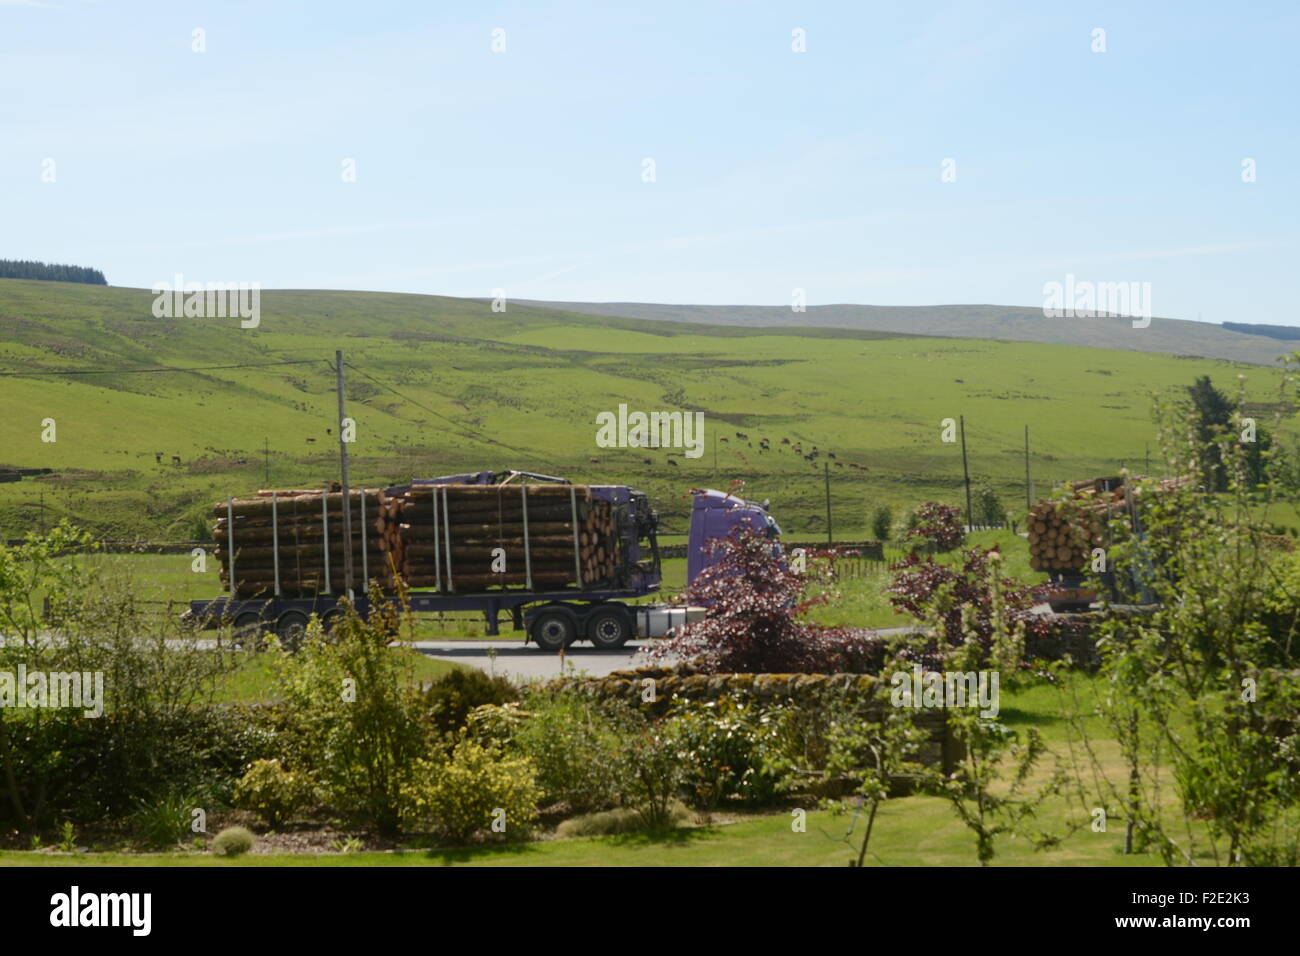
point(492, 492)
point(414, 532)
point(291, 553)
point(294, 504)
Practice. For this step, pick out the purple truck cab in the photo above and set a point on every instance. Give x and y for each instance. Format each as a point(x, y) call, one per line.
point(716, 514)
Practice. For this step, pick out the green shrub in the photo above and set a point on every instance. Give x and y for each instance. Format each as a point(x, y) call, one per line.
point(657, 772)
point(882, 522)
point(495, 724)
point(1278, 611)
point(352, 719)
point(618, 820)
point(988, 507)
point(233, 841)
point(153, 735)
point(164, 821)
point(107, 768)
point(724, 746)
point(576, 749)
point(478, 789)
point(272, 792)
point(451, 697)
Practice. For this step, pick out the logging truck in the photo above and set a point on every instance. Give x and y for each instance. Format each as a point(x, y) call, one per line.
point(564, 560)
point(1069, 539)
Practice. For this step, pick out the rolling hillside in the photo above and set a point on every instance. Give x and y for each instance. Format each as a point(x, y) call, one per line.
point(441, 385)
point(1237, 342)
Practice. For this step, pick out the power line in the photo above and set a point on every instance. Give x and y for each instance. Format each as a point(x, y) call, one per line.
point(165, 368)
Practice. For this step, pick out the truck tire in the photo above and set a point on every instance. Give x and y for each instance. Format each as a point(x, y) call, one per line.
point(291, 628)
point(247, 629)
point(609, 628)
point(329, 619)
point(554, 629)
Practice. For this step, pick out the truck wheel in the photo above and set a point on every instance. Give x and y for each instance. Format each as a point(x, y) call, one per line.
point(609, 629)
point(291, 628)
point(247, 628)
point(553, 630)
point(329, 619)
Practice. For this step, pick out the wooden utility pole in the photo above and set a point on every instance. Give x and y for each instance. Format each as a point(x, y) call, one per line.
point(266, 453)
point(347, 494)
point(829, 536)
point(965, 470)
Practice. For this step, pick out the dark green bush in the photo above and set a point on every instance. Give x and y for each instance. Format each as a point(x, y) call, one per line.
point(92, 769)
point(882, 522)
point(452, 696)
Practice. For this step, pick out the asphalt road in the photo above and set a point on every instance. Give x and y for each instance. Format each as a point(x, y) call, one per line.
point(522, 661)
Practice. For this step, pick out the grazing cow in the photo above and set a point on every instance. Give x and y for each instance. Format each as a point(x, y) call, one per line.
point(242, 461)
point(311, 439)
point(594, 461)
point(671, 462)
point(328, 432)
point(742, 436)
point(157, 456)
point(176, 459)
point(647, 461)
point(785, 441)
point(830, 454)
point(724, 439)
point(839, 464)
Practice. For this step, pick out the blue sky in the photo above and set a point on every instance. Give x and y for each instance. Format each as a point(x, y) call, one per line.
point(774, 170)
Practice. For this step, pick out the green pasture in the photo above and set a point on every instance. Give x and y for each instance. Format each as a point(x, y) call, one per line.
point(443, 385)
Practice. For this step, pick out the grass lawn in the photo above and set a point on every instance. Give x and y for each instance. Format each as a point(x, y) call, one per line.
point(917, 831)
point(254, 679)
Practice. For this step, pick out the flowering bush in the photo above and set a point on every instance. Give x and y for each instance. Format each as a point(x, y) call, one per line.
point(754, 600)
point(939, 524)
point(964, 595)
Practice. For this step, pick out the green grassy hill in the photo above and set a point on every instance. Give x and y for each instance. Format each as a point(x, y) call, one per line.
point(445, 384)
point(1236, 341)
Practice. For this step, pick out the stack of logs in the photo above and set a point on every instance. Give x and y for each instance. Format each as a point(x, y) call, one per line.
point(1063, 533)
point(398, 532)
point(302, 524)
point(457, 549)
